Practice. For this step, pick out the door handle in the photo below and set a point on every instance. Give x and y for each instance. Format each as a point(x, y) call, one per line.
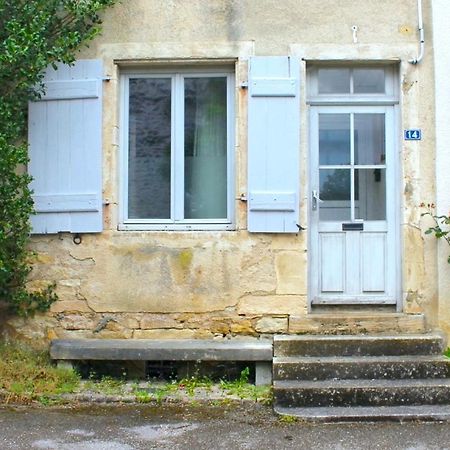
point(315, 200)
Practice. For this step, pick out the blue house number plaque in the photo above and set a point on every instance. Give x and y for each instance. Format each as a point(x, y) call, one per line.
point(414, 134)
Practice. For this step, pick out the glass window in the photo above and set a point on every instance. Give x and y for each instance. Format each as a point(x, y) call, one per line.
point(149, 148)
point(334, 139)
point(351, 81)
point(205, 148)
point(370, 139)
point(178, 148)
point(368, 81)
point(334, 81)
point(335, 194)
point(370, 187)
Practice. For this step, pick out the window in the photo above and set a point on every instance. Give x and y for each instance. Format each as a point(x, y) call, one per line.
point(178, 141)
point(359, 84)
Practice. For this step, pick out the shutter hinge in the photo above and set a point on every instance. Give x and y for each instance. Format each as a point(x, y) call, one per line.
point(244, 85)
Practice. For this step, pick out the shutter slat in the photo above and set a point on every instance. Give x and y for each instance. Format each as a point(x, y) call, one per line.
point(71, 89)
point(273, 144)
point(67, 203)
point(65, 129)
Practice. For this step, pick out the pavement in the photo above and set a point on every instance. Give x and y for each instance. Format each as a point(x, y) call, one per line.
point(247, 425)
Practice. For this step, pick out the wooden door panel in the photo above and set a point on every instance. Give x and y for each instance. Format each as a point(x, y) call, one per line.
point(332, 262)
point(373, 262)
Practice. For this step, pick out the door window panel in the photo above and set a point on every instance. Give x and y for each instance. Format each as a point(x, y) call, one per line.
point(370, 185)
point(334, 139)
point(335, 194)
point(370, 139)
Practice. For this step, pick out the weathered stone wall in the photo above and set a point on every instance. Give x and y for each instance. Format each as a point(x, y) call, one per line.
point(128, 284)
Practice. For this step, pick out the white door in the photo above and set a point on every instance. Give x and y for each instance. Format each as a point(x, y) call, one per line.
point(352, 206)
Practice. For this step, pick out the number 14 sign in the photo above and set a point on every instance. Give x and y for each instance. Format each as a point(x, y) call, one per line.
point(413, 134)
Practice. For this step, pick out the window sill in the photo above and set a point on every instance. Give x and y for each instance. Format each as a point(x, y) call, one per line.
point(176, 227)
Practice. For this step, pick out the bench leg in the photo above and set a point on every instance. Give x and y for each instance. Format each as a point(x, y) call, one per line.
point(65, 364)
point(263, 373)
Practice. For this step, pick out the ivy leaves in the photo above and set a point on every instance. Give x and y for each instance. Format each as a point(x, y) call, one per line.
point(33, 35)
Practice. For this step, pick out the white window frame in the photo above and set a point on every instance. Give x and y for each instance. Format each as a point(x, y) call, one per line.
point(177, 222)
point(389, 97)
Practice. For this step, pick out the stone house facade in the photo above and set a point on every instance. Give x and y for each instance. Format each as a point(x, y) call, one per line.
point(219, 169)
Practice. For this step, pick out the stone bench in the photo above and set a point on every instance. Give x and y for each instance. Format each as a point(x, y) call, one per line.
point(64, 351)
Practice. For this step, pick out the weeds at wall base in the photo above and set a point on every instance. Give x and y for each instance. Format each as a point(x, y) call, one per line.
point(28, 376)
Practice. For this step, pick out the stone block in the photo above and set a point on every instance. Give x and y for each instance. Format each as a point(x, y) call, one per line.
point(155, 321)
point(115, 334)
point(163, 334)
point(257, 272)
point(272, 325)
point(129, 321)
point(272, 304)
point(292, 242)
point(77, 322)
point(263, 373)
point(70, 306)
point(243, 327)
point(354, 323)
point(291, 273)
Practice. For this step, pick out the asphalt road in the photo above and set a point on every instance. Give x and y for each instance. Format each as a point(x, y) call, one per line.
point(175, 427)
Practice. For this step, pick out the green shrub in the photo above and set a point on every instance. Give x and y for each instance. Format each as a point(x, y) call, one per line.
point(33, 34)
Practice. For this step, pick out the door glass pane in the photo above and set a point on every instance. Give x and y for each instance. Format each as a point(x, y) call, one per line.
point(334, 81)
point(205, 151)
point(149, 145)
point(334, 139)
point(368, 81)
point(370, 185)
point(370, 139)
point(335, 194)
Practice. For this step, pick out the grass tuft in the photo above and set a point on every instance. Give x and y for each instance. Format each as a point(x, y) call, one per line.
point(28, 375)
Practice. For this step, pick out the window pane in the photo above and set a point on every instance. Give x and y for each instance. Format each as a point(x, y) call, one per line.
point(149, 148)
point(335, 194)
point(334, 81)
point(205, 148)
point(334, 139)
point(370, 203)
point(368, 81)
point(370, 141)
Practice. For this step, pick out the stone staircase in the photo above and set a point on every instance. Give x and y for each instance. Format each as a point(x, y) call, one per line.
point(362, 377)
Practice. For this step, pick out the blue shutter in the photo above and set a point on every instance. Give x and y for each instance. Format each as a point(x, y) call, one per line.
point(65, 138)
point(273, 144)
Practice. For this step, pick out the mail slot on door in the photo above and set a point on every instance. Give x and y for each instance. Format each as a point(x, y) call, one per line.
point(352, 227)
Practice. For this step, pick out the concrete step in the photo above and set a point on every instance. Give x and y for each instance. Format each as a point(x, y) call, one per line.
point(368, 413)
point(351, 322)
point(361, 367)
point(289, 393)
point(359, 345)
